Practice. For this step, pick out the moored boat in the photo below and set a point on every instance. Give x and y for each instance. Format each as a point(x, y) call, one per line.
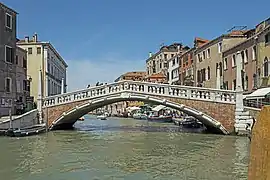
point(102, 117)
point(139, 116)
point(34, 130)
point(81, 118)
point(160, 118)
point(191, 122)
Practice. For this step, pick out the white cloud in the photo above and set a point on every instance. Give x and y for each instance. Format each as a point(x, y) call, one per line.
point(83, 72)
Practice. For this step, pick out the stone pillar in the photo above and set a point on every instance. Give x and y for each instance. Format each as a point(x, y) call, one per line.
point(239, 86)
point(218, 78)
point(62, 86)
point(242, 118)
point(40, 98)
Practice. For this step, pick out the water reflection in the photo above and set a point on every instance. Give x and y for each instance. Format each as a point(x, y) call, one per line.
point(124, 149)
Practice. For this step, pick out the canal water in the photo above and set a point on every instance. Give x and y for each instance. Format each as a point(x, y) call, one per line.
point(125, 149)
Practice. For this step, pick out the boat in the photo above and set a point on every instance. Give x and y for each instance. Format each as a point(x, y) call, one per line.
point(81, 118)
point(102, 117)
point(33, 130)
point(160, 118)
point(191, 122)
point(139, 116)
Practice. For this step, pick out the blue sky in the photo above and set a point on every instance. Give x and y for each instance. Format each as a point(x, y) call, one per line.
point(101, 39)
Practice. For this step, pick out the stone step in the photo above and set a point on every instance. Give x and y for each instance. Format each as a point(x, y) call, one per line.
point(242, 113)
point(243, 117)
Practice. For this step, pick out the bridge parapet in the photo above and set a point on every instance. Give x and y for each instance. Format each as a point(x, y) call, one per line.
point(145, 88)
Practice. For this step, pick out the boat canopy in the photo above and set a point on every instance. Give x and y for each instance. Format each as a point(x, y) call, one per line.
point(158, 108)
point(258, 94)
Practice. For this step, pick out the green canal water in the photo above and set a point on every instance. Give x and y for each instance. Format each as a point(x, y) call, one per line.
point(124, 149)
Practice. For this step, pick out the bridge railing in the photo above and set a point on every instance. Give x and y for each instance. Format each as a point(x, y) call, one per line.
point(145, 88)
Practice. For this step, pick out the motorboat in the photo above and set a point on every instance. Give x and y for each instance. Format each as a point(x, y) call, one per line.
point(160, 118)
point(81, 118)
point(139, 116)
point(33, 130)
point(102, 117)
point(191, 122)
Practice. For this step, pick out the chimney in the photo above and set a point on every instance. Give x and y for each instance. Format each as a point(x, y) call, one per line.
point(35, 37)
point(150, 54)
point(26, 39)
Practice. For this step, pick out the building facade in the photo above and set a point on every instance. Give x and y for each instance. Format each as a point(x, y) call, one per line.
point(248, 52)
point(173, 70)
point(262, 37)
point(158, 62)
point(208, 57)
point(8, 33)
point(23, 82)
point(43, 56)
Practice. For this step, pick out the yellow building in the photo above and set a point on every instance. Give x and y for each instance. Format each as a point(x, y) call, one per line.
point(43, 56)
point(263, 48)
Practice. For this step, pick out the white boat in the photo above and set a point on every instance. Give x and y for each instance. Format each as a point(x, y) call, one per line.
point(139, 116)
point(102, 117)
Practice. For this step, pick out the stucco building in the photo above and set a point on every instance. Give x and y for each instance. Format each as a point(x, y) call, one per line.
point(247, 49)
point(43, 56)
point(8, 33)
point(173, 73)
point(23, 82)
point(255, 52)
point(208, 59)
point(158, 62)
point(262, 38)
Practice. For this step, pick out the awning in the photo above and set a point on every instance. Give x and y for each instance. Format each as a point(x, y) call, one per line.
point(258, 94)
point(158, 108)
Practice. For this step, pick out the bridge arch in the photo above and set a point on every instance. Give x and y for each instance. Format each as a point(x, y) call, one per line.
point(70, 117)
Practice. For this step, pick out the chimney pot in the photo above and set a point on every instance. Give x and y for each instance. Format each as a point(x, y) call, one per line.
point(35, 37)
point(26, 39)
point(150, 54)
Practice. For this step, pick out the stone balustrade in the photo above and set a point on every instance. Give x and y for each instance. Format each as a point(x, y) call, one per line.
point(145, 88)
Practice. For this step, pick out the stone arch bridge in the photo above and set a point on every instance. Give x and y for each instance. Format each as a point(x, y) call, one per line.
point(215, 108)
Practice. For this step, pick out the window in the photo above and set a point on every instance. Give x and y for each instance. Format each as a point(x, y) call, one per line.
point(219, 47)
point(246, 83)
point(233, 60)
point(172, 55)
point(8, 84)
point(243, 56)
point(173, 62)
point(220, 68)
point(225, 63)
point(208, 53)
point(246, 56)
point(24, 63)
point(30, 50)
point(38, 50)
point(254, 53)
point(160, 65)
point(208, 73)
point(165, 56)
point(265, 67)
point(234, 84)
point(204, 56)
point(267, 38)
point(8, 21)
point(16, 60)
point(9, 55)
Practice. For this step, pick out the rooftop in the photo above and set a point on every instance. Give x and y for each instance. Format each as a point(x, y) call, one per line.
point(4, 6)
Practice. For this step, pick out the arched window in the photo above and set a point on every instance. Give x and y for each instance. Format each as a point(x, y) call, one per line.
point(265, 67)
